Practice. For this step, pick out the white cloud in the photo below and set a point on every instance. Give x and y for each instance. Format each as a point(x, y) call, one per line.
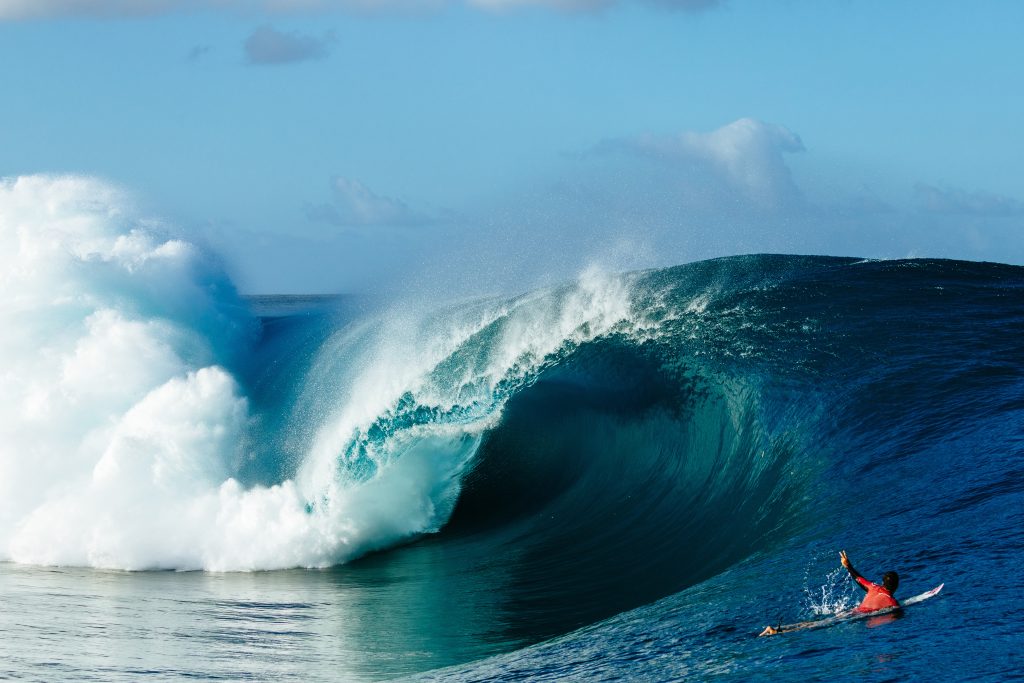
point(267, 45)
point(948, 200)
point(354, 204)
point(747, 154)
point(39, 9)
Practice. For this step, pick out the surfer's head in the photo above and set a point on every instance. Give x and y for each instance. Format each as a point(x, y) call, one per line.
point(891, 581)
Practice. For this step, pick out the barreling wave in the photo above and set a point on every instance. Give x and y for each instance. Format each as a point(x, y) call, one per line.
point(587, 448)
point(151, 421)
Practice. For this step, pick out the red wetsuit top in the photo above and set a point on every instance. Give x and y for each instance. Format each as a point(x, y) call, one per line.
point(877, 598)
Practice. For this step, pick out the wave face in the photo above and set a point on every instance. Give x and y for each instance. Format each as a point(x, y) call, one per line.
point(558, 457)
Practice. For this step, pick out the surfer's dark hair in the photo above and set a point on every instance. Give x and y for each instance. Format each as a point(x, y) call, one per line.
point(891, 581)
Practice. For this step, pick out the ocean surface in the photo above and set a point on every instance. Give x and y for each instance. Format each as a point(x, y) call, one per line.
point(623, 477)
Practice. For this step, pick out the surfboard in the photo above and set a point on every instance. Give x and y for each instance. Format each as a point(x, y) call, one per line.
point(851, 615)
point(923, 596)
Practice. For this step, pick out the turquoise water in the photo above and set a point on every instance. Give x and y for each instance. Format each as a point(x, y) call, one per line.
point(361, 623)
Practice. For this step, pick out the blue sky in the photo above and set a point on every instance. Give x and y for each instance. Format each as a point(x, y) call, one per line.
point(466, 146)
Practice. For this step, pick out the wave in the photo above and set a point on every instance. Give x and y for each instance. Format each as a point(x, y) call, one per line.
point(141, 429)
point(586, 448)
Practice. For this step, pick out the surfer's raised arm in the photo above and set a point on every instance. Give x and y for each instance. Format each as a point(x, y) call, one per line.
point(849, 567)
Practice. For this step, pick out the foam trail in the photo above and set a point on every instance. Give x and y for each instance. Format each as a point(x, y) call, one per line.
point(124, 426)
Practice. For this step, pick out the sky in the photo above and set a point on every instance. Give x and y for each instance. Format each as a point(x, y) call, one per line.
point(470, 146)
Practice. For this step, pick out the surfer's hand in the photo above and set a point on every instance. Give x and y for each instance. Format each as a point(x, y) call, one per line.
point(844, 559)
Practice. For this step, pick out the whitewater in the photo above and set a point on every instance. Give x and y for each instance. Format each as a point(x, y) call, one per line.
point(623, 476)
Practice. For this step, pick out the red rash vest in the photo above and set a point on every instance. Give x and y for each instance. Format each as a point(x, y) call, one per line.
point(877, 597)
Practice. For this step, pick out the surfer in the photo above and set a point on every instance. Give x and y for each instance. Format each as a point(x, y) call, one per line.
point(878, 596)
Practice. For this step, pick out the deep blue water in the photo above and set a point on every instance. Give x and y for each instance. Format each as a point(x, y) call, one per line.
point(634, 498)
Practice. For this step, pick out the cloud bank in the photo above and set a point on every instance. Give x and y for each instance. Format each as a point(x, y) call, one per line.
point(627, 203)
point(12, 10)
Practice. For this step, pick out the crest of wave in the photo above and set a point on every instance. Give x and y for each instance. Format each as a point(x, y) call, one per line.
point(122, 425)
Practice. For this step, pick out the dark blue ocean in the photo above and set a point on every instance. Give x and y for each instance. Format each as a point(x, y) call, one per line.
point(625, 477)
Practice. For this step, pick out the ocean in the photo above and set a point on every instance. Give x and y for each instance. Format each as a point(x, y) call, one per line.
point(624, 477)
